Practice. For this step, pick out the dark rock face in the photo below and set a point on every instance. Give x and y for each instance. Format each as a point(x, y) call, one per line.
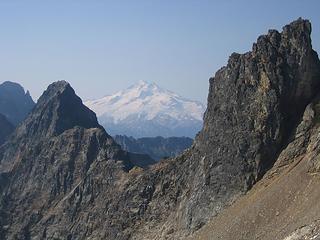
point(156, 147)
point(15, 103)
point(67, 179)
point(254, 105)
point(255, 102)
point(284, 203)
point(5, 128)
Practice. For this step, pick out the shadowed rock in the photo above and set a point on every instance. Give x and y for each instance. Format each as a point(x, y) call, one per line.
point(15, 103)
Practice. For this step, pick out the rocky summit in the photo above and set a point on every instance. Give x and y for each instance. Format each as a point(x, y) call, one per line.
point(63, 177)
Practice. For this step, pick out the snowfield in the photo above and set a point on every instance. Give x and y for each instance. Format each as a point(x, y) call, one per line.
point(146, 110)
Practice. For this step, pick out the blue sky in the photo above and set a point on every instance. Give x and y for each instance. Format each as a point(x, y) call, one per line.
point(103, 46)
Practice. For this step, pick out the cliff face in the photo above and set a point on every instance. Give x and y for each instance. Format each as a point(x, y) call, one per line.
point(284, 204)
point(254, 105)
point(66, 178)
point(255, 102)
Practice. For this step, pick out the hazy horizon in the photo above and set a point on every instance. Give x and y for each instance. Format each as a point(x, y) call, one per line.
point(101, 47)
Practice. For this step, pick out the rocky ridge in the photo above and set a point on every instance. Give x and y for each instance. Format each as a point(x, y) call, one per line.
point(156, 147)
point(255, 105)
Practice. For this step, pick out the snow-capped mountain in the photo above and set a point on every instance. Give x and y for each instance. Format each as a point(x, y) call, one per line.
point(146, 110)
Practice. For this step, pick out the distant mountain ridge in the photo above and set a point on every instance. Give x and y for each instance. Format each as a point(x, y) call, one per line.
point(15, 103)
point(146, 110)
point(157, 147)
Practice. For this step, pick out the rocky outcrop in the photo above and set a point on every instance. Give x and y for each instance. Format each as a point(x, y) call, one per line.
point(5, 128)
point(254, 106)
point(68, 179)
point(284, 204)
point(15, 103)
point(156, 147)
